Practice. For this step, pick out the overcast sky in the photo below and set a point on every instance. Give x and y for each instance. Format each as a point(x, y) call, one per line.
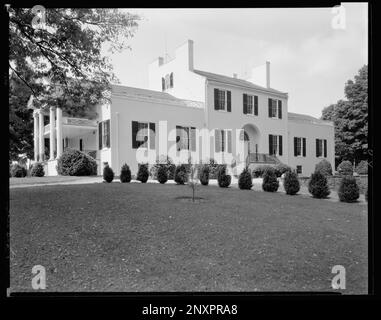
point(309, 59)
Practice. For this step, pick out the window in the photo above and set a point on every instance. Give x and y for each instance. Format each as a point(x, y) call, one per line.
point(223, 140)
point(186, 138)
point(275, 108)
point(143, 135)
point(299, 170)
point(104, 134)
point(222, 100)
point(321, 148)
point(299, 147)
point(167, 82)
point(250, 104)
point(275, 145)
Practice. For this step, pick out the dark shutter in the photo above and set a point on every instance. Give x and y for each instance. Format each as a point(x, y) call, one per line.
point(217, 140)
point(244, 103)
point(317, 147)
point(216, 104)
point(178, 142)
point(171, 80)
point(229, 101)
point(229, 141)
point(280, 142)
point(256, 105)
point(152, 135)
point(222, 140)
point(193, 138)
point(280, 109)
point(304, 147)
point(107, 132)
point(295, 146)
point(270, 110)
point(325, 148)
point(135, 126)
point(162, 84)
point(100, 135)
point(270, 144)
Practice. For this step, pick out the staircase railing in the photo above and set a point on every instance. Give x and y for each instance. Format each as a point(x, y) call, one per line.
point(261, 158)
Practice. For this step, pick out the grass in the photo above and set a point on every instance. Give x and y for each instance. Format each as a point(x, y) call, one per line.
point(146, 237)
point(45, 180)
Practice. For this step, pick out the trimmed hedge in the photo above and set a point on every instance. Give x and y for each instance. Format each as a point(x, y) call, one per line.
point(318, 186)
point(108, 174)
point(162, 174)
point(125, 174)
point(349, 191)
point(37, 170)
point(245, 181)
point(18, 171)
point(143, 173)
point(76, 163)
point(362, 167)
point(270, 182)
point(345, 168)
point(291, 183)
point(167, 163)
point(223, 179)
point(203, 174)
point(181, 174)
point(324, 167)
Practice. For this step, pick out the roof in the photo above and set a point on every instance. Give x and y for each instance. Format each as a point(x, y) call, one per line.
point(235, 81)
point(306, 118)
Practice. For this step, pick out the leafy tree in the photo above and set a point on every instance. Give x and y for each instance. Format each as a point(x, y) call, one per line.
point(60, 62)
point(350, 118)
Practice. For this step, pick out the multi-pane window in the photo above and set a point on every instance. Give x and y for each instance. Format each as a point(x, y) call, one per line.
point(167, 82)
point(275, 108)
point(143, 134)
point(299, 170)
point(321, 148)
point(104, 134)
point(299, 146)
point(223, 140)
point(222, 100)
point(186, 138)
point(275, 145)
point(250, 104)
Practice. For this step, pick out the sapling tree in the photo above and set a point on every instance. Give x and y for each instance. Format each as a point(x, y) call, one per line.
point(193, 180)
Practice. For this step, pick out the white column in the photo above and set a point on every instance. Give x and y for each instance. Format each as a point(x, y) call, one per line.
point(35, 135)
point(52, 133)
point(41, 146)
point(59, 132)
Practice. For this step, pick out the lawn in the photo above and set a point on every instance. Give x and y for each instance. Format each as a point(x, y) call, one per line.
point(147, 237)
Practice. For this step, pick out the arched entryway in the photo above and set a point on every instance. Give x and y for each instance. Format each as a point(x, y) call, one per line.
point(251, 138)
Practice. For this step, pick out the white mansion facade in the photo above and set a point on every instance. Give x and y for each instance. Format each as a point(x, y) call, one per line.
point(181, 103)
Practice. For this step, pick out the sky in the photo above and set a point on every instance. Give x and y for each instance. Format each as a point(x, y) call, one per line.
point(310, 59)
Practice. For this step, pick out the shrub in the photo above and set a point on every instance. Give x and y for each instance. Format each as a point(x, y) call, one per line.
point(348, 191)
point(18, 171)
point(318, 185)
point(108, 174)
point(291, 183)
point(324, 167)
point(270, 182)
point(213, 169)
point(204, 174)
point(76, 163)
point(125, 174)
point(167, 163)
point(362, 167)
point(224, 179)
point(143, 173)
point(162, 174)
point(37, 170)
point(345, 168)
point(181, 175)
point(281, 168)
point(260, 170)
point(244, 180)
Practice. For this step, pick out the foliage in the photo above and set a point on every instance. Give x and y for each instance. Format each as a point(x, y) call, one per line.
point(181, 175)
point(76, 163)
point(362, 167)
point(348, 191)
point(37, 170)
point(244, 180)
point(345, 168)
point(162, 174)
point(108, 174)
point(291, 183)
point(258, 171)
point(167, 163)
point(324, 167)
point(18, 171)
point(193, 177)
point(125, 174)
point(270, 182)
point(318, 185)
point(143, 173)
point(204, 174)
point(281, 168)
point(223, 179)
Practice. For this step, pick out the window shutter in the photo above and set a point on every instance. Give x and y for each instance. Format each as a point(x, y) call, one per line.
point(171, 80)
point(280, 109)
point(229, 101)
point(152, 135)
point(135, 144)
point(229, 141)
point(325, 148)
point(317, 147)
point(216, 106)
point(270, 110)
point(244, 103)
point(270, 144)
point(304, 147)
point(107, 133)
point(295, 146)
point(280, 147)
point(217, 140)
point(162, 84)
point(193, 138)
point(100, 135)
point(256, 105)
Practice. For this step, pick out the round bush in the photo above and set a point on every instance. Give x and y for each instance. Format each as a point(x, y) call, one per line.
point(349, 191)
point(324, 167)
point(108, 174)
point(270, 182)
point(362, 167)
point(181, 175)
point(162, 174)
point(125, 174)
point(143, 173)
point(291, 183)
point(244, 180)
point(76, 163)
point(204, 175)
point(18, 171)
point(345, 168)
point(37, 170)
point(318, 186)
point(223, 179)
